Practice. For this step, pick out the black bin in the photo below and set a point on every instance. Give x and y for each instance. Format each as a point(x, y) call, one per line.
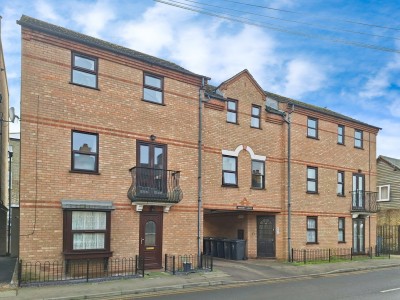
point(220, 248)
point(207, 246)
point(227, 248)
point(213, 247)
point(238, 248)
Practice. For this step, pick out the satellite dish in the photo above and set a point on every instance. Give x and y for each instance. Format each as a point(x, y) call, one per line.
point(13, 115)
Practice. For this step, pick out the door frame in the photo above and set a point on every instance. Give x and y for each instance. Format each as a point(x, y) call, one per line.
point(272, 217)
point(360, 251)
point(157, 217)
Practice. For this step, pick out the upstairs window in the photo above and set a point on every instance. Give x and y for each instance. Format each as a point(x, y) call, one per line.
point(84, 70)
point(312, 230)
point(312, 180)
point(358, 138)
point(229, 170)
point(340, 136)
point(153, 89)
point(384, 193)
point(85, 154)
point(312, 128)
point(257, 174)
point(340, 183)
point(341, 230)
point(232, 111)
point(255, 116)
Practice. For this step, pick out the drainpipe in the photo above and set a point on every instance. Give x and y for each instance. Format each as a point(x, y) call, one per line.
point(287, 119)
point(199, 186)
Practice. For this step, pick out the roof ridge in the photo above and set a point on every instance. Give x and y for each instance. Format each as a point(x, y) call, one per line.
point(93, 41)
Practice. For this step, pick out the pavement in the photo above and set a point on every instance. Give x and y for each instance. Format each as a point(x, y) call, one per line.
point(225, 272)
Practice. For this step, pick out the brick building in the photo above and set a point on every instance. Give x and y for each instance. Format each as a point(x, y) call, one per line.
point(4, 170)
point(110, 160)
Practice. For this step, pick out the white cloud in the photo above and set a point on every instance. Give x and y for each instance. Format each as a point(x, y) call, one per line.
point(302, 77)
point(46, 11)
point(155, 30)
point(222, 54)
point(93, 18)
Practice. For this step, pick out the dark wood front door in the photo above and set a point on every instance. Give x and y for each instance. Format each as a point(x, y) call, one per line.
point(266, 236)
point(150, 239)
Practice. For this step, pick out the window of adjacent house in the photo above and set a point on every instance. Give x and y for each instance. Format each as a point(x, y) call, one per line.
point(341, 227)
point(312, 179)
point(255, 116)
point(84, 70)
point(232, 111)
point(257, 174)
point(358, 138)
point(312, 229)
point(312, 128)
point(340, 137)
point(340, 183)
point(384, 193)
point(229, 170)
point(86, 231)
point(85, 153)
point(153, 89)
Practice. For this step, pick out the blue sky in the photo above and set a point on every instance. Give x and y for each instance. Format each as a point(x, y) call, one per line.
point(359, 82)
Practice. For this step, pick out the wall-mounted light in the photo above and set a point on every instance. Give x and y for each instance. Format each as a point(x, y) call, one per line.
point(153, 137)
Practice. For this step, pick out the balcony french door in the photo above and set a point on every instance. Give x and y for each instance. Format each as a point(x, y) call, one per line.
point(152, 172)
point(358, 201)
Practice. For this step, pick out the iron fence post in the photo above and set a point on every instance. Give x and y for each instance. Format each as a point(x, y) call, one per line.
point(166, 262)
point(211, 257)
point(305, 256)
point(351, 253)
point(87, 270)
point(329, 253)
point(19, 272)
point(173, 265)
point(292, 254)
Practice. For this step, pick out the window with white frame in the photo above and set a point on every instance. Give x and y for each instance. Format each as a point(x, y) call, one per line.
point(384, 193)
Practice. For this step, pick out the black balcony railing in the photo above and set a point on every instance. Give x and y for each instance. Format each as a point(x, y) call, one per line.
point(364, 201)
point(155, 185)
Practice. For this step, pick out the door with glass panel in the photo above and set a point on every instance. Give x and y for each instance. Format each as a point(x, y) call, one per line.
point(266, 236)
point(358, 192)
point(358, 236)
point(151, 174)
point(150, 239)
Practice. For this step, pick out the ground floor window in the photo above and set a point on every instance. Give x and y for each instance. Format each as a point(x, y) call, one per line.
point(312, 226)
point(87, 227)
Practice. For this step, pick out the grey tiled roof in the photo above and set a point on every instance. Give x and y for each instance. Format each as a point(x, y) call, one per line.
point(62, 32)
point(392, 161)
point(316, 108)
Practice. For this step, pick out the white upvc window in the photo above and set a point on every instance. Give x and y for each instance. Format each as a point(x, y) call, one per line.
point(384, 193)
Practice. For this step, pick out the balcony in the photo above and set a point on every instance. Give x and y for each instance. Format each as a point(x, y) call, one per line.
point(364, 202)
point(154, 187)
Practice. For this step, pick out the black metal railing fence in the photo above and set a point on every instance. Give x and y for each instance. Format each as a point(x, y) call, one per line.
point(334, 254)
point(39, 273)
point(188, 263)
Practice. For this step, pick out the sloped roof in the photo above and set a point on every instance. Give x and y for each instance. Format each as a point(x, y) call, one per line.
point(394, 162)
point(315, 108)
point(62, 32)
